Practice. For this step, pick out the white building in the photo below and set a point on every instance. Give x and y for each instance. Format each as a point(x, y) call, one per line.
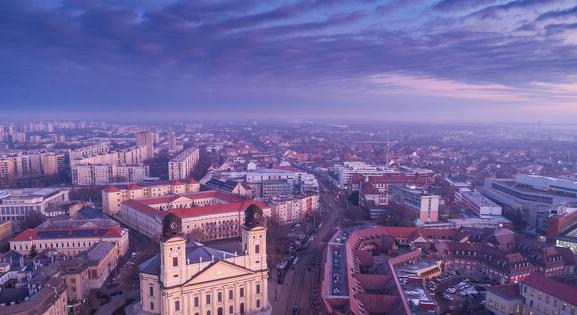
point(345, 171)
point(182, 165)
point(90, 174)
point(294, 209)
point(478, 203)
point(16, 204)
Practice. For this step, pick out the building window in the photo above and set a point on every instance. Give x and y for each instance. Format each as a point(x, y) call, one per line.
point(174, 261)
point(258, 303)
point(241, 292)
point(177, 305)
point(208, 299)
point(258, 289)
point(230, 294)
point(196, 301)
point(152, 306)
point(231, 309)
point(256, 248)
point(151, 291)
point(219, 297)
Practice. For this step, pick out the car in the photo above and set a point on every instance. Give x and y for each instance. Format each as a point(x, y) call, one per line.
point(295, 261)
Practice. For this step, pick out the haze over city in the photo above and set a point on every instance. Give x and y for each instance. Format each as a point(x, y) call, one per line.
point(405, 60)
point(288, 157)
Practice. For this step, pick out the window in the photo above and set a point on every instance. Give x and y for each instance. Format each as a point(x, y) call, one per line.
point(241, 292)
point(258, 289)
point(174, 261)
point(151, 291)
point(196, 301)
point(219, 297)
point(230, 294)
point(231, 309)
point(152, 306)
point(258, 303)
point(208, 299)
point(207, 312)
point(177, 305)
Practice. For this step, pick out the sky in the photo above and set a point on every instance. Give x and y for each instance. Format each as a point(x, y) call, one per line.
point(401, 60)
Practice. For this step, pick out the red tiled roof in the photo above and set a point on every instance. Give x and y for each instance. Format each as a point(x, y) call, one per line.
point(216, 209)
point(555, 288)
point(111, 189)
point(134, 187)
point(32, 234)
point(507, 291)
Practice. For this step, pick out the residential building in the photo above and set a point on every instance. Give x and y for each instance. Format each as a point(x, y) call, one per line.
point(544, 295)
point(89, 270)
point(182, 165)
point(146, 139)
point(99, 174)
point(293, 210)
point(504, 299)
point(203, 280)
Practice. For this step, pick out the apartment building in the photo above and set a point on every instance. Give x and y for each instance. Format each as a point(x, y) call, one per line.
point(182, 165)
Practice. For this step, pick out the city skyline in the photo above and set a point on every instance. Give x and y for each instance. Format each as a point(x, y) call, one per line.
point(405, 60)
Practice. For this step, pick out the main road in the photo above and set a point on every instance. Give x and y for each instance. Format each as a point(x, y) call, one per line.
point(302, 283)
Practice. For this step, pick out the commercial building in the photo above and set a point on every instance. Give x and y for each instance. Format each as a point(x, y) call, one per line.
point(564, 219)
point(206, 215)
point(384, 175)
point(418, 202)
point(530, 194)
point(182, 165)
point(203, 280)
point(17, 204)
point(477, 203)
point(113, 196)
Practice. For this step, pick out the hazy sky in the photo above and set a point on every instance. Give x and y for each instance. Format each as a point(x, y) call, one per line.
point(449, 60)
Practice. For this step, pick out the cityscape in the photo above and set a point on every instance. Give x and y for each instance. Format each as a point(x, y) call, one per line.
point(288, 157)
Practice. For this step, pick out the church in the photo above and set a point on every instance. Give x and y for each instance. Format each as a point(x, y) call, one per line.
point(194, 279)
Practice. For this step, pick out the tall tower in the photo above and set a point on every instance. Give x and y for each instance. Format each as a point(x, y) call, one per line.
point(253, 234)
point(172, 252)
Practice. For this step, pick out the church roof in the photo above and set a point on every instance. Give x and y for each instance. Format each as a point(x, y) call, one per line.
point(194, 253)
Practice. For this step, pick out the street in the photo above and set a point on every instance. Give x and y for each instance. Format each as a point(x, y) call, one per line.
point(302, 283)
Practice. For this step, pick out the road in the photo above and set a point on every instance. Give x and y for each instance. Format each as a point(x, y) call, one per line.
point(302, 283)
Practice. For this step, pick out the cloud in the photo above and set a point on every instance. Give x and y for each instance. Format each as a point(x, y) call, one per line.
point(231, 46)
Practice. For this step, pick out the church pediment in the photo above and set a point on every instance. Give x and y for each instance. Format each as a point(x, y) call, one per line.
point(219, 270)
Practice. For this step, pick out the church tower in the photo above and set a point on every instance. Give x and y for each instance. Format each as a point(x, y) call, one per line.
point(172, 252)
point(253, 234)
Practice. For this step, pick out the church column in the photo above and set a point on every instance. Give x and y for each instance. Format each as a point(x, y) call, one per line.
point(214, 301)
point(202, 299)
point(264, 291)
